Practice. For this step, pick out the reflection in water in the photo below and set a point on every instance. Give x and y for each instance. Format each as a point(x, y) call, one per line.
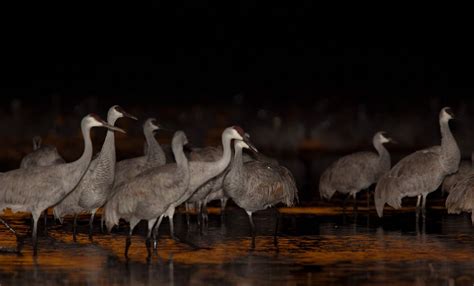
point(315, 247)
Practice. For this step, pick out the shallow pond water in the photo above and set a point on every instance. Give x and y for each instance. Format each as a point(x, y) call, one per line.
point(317, 245)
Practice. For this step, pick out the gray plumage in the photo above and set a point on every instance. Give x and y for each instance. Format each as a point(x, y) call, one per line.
point(204, 194)
point(217, 192)
point(130, 168)
point(45, 155)
point(257, 185)
point(202, 172)
point(38, 188)
point(218, 195)
point(150, 194)
point(355, 172)
point(421, 172)
point(207, 154)
point(465, 168)
point(128, 198)
point(96, 184)
point(461, 196)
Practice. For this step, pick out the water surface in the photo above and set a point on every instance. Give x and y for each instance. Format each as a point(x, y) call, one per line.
point(317, 245)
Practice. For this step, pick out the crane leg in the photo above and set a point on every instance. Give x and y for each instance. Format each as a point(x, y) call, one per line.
point(187, 214)
point(275, 234)
point(19, 240)
point(74, 228)
point(199, 213)
point(205, 217)
point(252, 228)
point(102, 223)
point(45, 216)
point(155, 233)
point(368, 199)
point(344, 204)
point(423, 207)
point(8, 226)
point(223, 204)
point(128, 240)
point(35, 230)
point(418, 201)
point(170, 215)
point(91, 224)
point(151, 223)
point(355, 202)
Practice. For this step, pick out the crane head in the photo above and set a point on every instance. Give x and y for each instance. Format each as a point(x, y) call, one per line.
point(152, 124)
point(123, 113)
point(93, 120)
point(383, 138)
point(179, 138)
point(249, 143)
point(446, 114)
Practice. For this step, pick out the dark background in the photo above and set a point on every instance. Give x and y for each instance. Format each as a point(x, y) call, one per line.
point(298, 94)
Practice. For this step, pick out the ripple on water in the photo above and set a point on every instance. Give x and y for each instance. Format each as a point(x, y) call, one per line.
point(351, 253)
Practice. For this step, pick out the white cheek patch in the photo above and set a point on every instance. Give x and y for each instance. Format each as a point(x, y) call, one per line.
point(445, 116)
point(93, 122)
point(117, 114)
point(236, 134)
point(243, 145)
point(383, 139)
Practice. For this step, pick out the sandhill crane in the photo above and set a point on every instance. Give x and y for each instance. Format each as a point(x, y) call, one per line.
point(420, 173)
point(217, 193)
point(38, 188)
point(200, 173)
point(461, 196)
point(465, 168)
point(150, 194)
point(130, 168)
point(96, 184)
point(258, 185)
point(42, 155)
point(207, 154)
point(45, 155)
point(212, 190)
point(355, 172)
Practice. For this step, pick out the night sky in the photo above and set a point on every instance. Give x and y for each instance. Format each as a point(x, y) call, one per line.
point(202, 60)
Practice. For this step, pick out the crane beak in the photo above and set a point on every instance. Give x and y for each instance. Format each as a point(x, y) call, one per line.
point(251, 146)
point(391, 140)
point(113, 128)
point(126, 114)
point(163, 128)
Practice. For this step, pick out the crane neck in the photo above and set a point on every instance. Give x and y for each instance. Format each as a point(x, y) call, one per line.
point(450, 154)
point(154, 150)
point(108, 148)
point(237, 161)
point(381, 150)
point(77, 169)
point(181, 160)
point(384, 156)
point(224, 161)
point(212, 169)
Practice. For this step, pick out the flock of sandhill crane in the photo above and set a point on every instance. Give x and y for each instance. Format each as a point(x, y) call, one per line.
point(149, 187)
point(152, 186)
point(416, 175)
